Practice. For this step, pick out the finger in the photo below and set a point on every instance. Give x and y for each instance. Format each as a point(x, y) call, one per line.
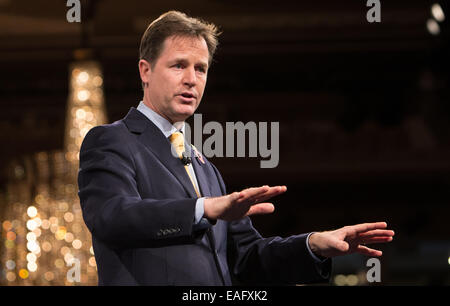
point(364, 227)
point(246, 194)
point(273, 191)
point(377, 240)
point(375, 233)
point(234, 196)
point(362, 249)
point(260, 192)
point(258, 209)
point(263, 193)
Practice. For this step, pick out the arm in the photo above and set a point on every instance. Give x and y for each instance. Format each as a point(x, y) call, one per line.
point(257, 260)
point(112, 207)
point(274, 260)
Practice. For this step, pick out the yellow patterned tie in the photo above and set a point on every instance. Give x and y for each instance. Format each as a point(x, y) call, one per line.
point(177, 141)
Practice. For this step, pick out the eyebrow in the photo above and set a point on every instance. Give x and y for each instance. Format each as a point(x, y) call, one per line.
point(182, 60)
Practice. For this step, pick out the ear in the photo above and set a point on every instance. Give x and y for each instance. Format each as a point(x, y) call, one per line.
point(145, 71)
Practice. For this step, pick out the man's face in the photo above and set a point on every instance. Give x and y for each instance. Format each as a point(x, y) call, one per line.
point(178, 78)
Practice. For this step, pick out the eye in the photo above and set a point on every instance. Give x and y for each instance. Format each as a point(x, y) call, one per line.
point(201, 69)
point(178, 66)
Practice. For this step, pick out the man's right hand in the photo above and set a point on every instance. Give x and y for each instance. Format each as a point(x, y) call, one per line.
point(237, 205)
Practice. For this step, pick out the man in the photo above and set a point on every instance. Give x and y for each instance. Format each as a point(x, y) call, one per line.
point(164, 218)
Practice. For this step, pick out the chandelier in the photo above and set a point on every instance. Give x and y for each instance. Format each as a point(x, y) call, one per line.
point(44, 240)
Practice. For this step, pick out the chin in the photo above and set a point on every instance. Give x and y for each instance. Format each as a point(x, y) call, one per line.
point(185, 113)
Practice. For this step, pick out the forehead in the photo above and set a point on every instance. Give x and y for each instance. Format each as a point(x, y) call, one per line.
point(185, 47)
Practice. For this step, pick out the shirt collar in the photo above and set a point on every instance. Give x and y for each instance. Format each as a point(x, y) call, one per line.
point(162, 123)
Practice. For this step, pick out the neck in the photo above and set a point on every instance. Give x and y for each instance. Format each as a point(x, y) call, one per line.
point(178, 125)
point(150, 105)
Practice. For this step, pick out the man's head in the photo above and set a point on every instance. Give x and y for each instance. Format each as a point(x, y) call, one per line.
point(175, 54)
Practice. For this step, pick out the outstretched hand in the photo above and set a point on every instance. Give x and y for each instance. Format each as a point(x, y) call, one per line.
point(343, 241)
point(350, 239)
point(247, 202)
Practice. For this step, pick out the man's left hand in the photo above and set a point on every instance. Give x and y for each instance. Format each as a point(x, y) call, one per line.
point(350, 239)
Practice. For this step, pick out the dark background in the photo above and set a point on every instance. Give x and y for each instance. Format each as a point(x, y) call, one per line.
point(363, 107)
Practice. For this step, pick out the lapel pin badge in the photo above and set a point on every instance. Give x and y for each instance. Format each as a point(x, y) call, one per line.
point(198, 155)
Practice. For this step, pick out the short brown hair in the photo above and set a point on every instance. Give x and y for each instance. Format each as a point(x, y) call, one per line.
point(178, 24)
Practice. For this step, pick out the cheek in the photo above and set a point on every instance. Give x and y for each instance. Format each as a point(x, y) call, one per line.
point(167, 82)
point(202, 85)
point(168, 90)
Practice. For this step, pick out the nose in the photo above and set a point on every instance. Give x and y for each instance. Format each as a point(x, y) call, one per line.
point(189, 77)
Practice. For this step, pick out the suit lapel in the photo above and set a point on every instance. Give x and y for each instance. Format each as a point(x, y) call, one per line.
point(159, 145)
point(202, 181)
point(205, 188)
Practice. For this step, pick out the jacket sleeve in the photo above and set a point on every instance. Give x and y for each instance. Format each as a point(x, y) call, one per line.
point(112, 207)
point(275, 260)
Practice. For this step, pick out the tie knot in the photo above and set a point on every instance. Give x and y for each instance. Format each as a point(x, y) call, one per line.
point(177, 141)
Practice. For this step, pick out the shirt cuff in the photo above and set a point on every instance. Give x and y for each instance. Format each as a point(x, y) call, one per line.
point(199, 210)
point(200, 223)
point(317, 259)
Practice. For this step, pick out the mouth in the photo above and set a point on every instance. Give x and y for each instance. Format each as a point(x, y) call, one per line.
point(187, 97)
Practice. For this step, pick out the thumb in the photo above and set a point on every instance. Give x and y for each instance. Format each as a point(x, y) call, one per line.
point(263, 208)
point(342, 246)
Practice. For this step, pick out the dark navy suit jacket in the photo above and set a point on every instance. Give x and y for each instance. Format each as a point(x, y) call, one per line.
point(138, 203)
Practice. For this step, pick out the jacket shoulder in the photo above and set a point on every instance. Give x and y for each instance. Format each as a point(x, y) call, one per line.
point(106, 133)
